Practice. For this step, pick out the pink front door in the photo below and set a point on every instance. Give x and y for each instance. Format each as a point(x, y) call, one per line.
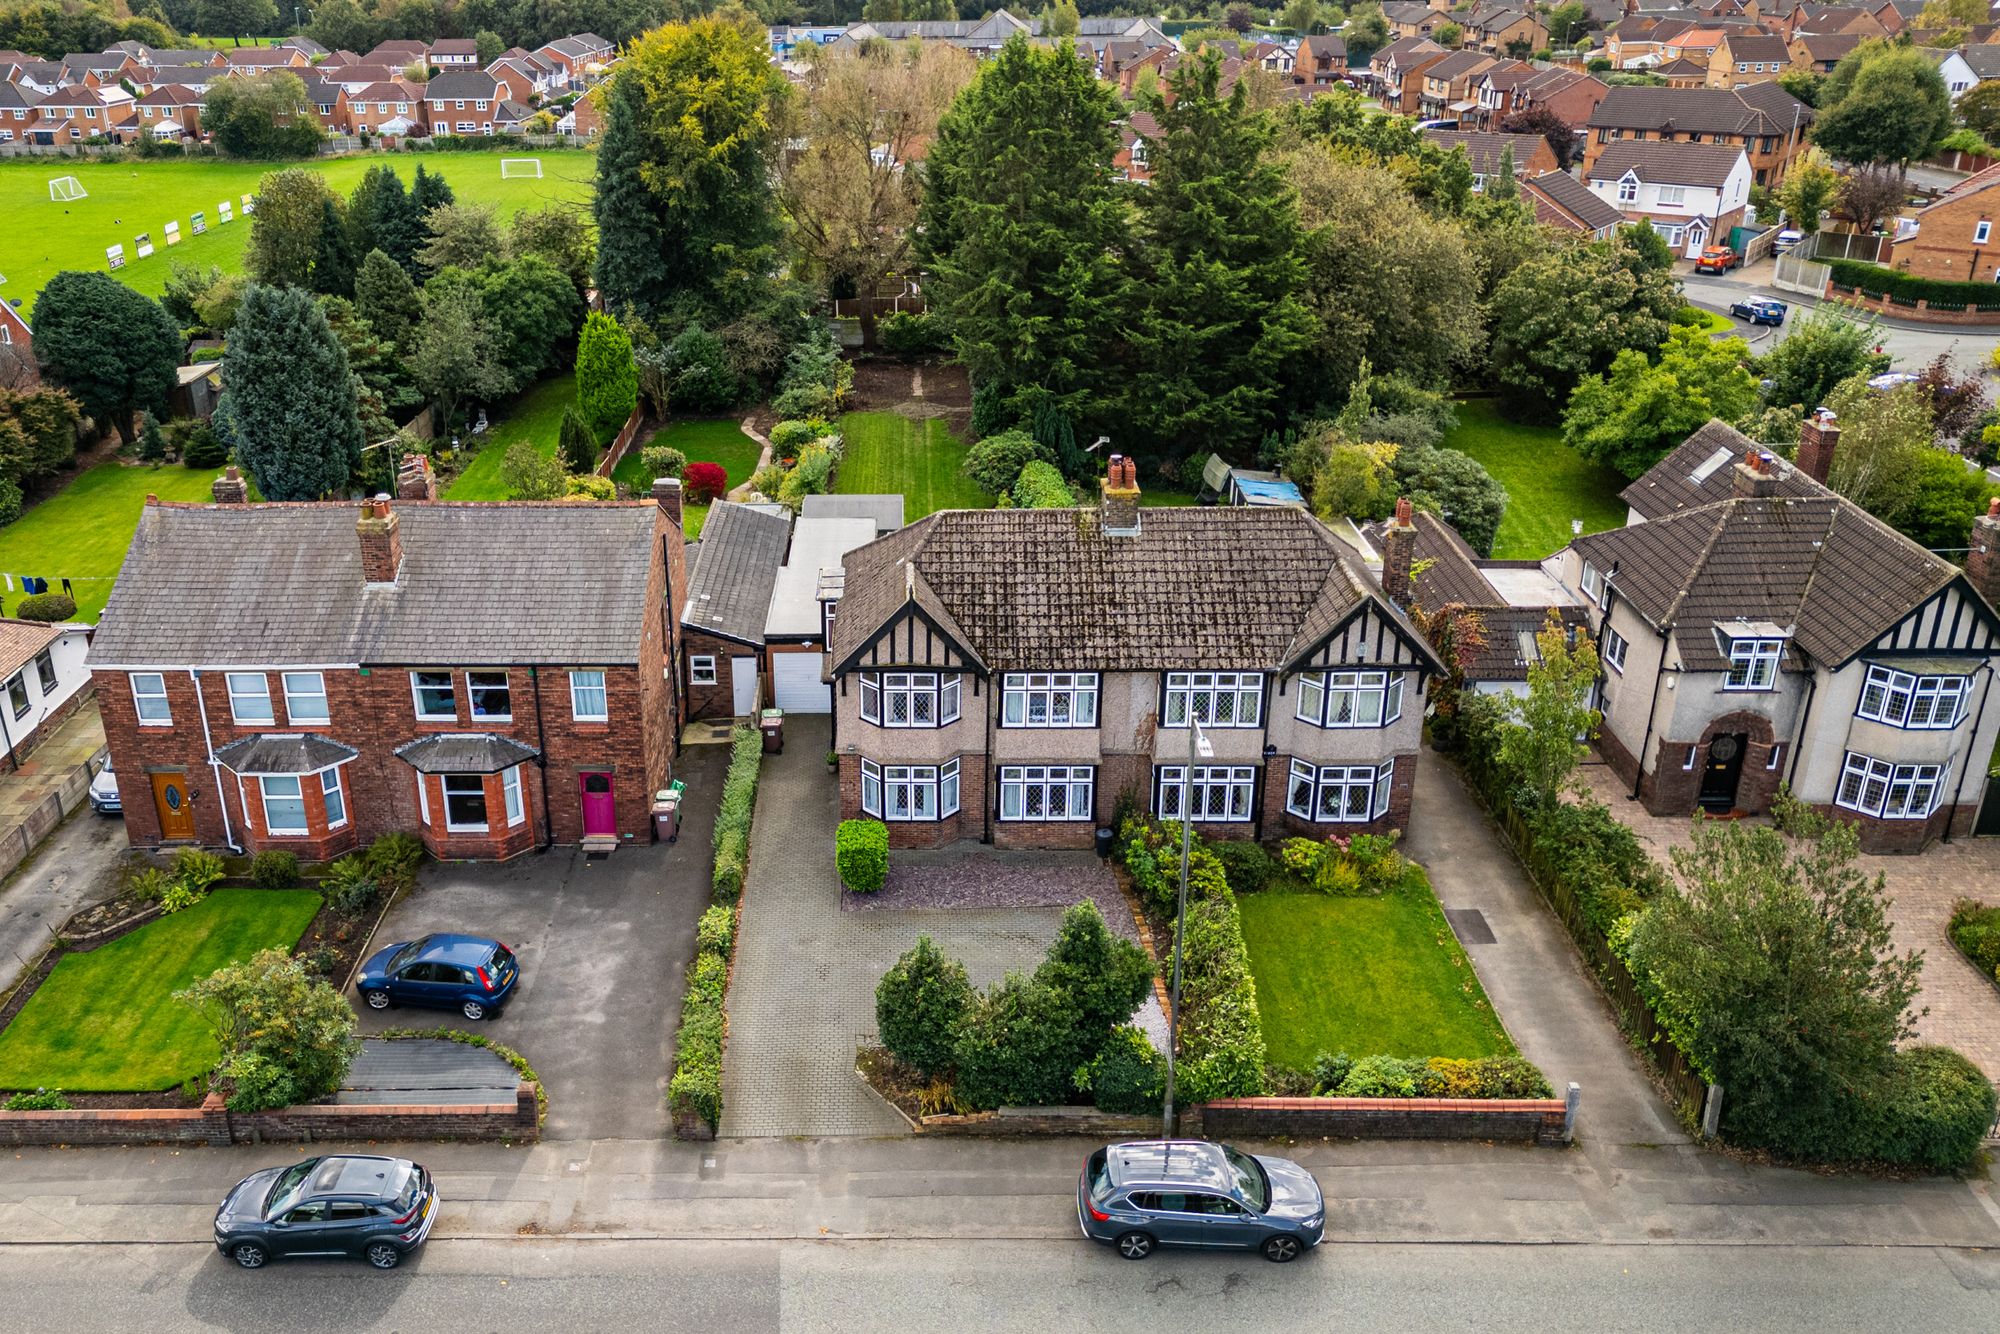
point(600, 813)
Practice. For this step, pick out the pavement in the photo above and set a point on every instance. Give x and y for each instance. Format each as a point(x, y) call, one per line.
point(603, 946)
point(74, 867)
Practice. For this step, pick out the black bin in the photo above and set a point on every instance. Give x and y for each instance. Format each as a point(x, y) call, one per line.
point(1104, 837)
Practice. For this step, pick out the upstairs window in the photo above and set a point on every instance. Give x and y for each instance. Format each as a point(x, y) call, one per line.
point(1213, 699)
point(305, 697)
point(491, 695)
point(1672, 195)
point(1753, 664)
point(588, 702)
point(1049, 699)
point(149, 699)
point(1350, 699)
point(436, 700)
point(1614, 649)
point(45, 671)
point(1919, 703)
point(250, 697)
point(1595, 586)
point(910, 699)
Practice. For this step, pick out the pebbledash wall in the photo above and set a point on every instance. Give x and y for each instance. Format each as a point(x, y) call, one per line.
point(213, 1123)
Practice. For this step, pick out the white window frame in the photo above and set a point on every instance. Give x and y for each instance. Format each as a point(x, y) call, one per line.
point(510, 795)
point(473, 687)
point(332, 794)
point(1673, 196)
point(1235, 785)
point(148, 687)
point(1615, 646)
point(1888, 791)
point(1326, 794)
point(298, 795)
point(936, 697)
point(1025, 788)
point(1913, 703)
point(1244, 690)
point(1628, 192)
point(444, 785)
point(909, 793)
point(241, 692)
point(1352, 699)
point(1753, 664)
point(1981, 231)
point(417, 697)
point(311, 685)
point(581, 688)
point(1595, 586)
point(1049, 699)
point(45, 661)
point(701, 670)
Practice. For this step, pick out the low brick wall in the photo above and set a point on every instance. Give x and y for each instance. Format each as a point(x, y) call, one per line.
point(1083, 1121)
point(1524, 1121)
point(1922, 312)
point(213, 1123)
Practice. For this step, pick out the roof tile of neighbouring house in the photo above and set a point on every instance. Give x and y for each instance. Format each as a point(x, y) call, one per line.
point(283, 753)
point(1831, 45)
point(1458, 65)
point(1747, 110)
point(1223, 589)
point(1697, 472)
point(20, 641)
point(1331, 45)
point(461, 85)
point(1705, 165)
point(1982, 57)
point(729, 590)
point(1574, 206)
point(1484, 149)
point(1681, 68)
point(526, 582)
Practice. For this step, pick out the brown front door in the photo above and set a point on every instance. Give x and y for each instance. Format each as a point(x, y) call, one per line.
point(170, 799)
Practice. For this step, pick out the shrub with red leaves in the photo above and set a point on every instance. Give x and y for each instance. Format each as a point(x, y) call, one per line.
point(706, 483)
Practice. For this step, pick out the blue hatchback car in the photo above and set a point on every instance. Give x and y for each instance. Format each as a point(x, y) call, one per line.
point(470, 974)
point(1155, 1193)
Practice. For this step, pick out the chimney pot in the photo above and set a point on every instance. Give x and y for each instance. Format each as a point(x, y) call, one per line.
point(414, 479)
point(1754, 476)
point(1119, 515)
point(230, 488)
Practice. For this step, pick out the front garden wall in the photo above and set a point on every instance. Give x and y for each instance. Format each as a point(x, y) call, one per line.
point(1543, 1121)
point(214, 1124)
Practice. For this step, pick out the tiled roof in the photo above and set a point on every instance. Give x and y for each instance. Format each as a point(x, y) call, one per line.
point(1698, 472)
point(464, 753)
point(1232, 588)
point(283, 753)
point(1705, 165)
point(1484, 149)
point(729, 590)
point(1758, 46)
point(1746, 110)
point(1574, 199)
point(461, 85)
point(1459, 64)
point(1983, 57)
point(20, 641)
point(525, 582)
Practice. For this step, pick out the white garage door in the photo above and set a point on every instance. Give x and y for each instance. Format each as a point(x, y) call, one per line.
point(795, 681)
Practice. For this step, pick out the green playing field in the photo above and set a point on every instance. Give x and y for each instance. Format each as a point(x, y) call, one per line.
point(123, 199)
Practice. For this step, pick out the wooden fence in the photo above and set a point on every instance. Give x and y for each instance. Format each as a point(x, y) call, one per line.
point(622, 442)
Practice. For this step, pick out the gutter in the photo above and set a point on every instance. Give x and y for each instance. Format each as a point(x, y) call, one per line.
point(214, 765)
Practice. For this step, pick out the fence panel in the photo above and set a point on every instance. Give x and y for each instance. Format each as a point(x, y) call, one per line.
point(1798, 273)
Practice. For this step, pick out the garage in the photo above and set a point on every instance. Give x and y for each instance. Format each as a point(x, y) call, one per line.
point(795, 683)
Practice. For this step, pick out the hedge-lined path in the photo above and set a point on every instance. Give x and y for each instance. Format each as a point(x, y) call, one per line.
point(802, 995)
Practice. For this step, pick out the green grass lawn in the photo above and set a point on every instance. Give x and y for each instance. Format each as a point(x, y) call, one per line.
point(1548, 483)
point(1381, 976)
point(107, 1021)
point(716, 440)
point(124, 199)
point(887, 453)
point(81, 533)
point(535, 415)
point(1710, 320)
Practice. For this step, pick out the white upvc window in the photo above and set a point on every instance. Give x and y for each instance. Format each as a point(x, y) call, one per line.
point(1049, 699)
point(284, 804)
point(510, 790)
point(910, 699)
point(250, 697)
point(305, 698)
point(1891, 791)
point(909, 793)
point(1672, 196)
point(1628, 192)
point(1595, 586)
point(1614, 649)
point(1919, 703)
point(1223, 794)
point(436, 700)
point(1215, 699)
point(149, 698)
point(491, 696)
point(1753, 664)
point(701, 670)
point(1351, 699)
point(334, 797)
point(465, 803)
point(1047, 792)
point(588, 702)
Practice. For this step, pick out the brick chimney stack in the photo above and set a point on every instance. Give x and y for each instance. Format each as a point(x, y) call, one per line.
point(1982, 563)
point(1818, 434)
point(230, 488)
point(1120, 513)
point(1756, 475)
point(667, 495)
point(414, 479)
point(1399, 545)
point(381, 541)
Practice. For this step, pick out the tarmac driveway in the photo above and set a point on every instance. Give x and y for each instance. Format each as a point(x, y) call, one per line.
point(604, 946)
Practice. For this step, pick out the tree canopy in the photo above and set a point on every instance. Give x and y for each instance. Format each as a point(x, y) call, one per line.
point(113, 349)
point(1630, 416)
point(289, 398)
point(1883, 103)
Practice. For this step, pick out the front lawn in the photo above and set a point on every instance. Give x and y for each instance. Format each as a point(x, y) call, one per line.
point(83, 531)
point(718, 440)
point(107, 1021)
point(1380, 976)
point(1548, 483)
point(887, 454)
point(535, 415)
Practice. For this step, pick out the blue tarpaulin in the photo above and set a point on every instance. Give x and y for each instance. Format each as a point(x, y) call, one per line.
point(1268, 493)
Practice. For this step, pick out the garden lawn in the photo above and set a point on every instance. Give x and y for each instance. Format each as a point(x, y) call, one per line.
point(107, 1021)
point(1370, 976)
point(534, 415)
point(715, 440)
point(1548, 483)
point(123, 199)
point(81, 533)
point(887, 453)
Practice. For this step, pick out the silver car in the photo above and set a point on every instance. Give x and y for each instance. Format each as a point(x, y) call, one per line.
point(1153, 1193)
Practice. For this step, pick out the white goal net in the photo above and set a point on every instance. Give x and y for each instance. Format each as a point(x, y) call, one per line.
point(65, 188)
point(512, 167)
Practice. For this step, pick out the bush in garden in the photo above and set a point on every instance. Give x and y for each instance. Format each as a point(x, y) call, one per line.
point(198, 870)
point(1485, 1077)
point(589, 486)
point(995, 463)
point(920, 1008)
point(201, 447)
point(861, 854)
point(1015, 1047)
point(1041, 487)
point(1375, 856)
point(286, 1035)
point(910, 334)
point(789, 437)
point(1379, 1077)
point(1330, 1071)
point(1975, 928)
point(1338, 874)
point(1931, 1110)
point(574, 443)
point(1245, 864)
point(46, 607)
point(696, 1085)
point(1302, 856)
point(1221, 1034)
point(150, 884)
point(812, 476)
point(705, 483)
point(39, 1100)
point(350, 886)
point(702, 379)
point(274, 868)
point(393, 860)
point(1106, 977)
point(658, 461)
point(716, 930)
point(806, 400)
point(1129, 1075)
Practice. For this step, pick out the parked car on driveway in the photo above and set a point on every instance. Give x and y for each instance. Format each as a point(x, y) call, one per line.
point(380, 1209)
point(104, 792)
point(470, 974)
point(1760, 312)
point(1788, 241)
point(1153, 1193)
point(1717, 259)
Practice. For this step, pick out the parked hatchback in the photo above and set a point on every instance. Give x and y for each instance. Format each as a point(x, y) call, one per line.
point(1760, 312)
point(1153, 1193)
point(380, 1209)
point(470, 974)
point(104, 792)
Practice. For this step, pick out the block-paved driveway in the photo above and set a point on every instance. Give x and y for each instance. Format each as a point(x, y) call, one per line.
point(803, 993)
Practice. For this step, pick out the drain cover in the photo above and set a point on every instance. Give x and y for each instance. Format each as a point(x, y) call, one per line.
point(1470, 924)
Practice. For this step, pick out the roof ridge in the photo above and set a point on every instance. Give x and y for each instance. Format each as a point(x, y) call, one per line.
point(1719, 520)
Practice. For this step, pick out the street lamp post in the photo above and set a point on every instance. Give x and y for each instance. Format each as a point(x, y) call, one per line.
point(1197, 743)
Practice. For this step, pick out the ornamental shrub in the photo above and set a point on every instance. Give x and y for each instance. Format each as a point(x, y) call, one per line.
point(861, 854)
point(286, 1036)
point(705, 483)
point(1041, 487)
point(393, 860)
point(1875, 281)
point(1484, 1077)
point(910, 334)
point(1330, 1071)
point(274, 868)
point(806, 400)
point(39, 1100)
point(716, 930)
point(1105, 977)
point(198, 870)
point(607, 379)
point(1301, 856)
point(203, 448)
point(1379, 1077)
point(589, 486)
point(995, 463)
point(47, 607)
point(732, 819)
point(1129, 1074)
point(789, 437)
point(1975, 928)
point(1016, 1045)
point(1931, 1110)
point(658, 461)
point(350, 886)
point(696, 1085)
point(1245, 864)
point(920, 1008)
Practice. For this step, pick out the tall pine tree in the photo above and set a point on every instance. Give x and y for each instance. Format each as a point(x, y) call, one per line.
point(387, 299)
point(333, 263)
point(630, 243)
point(288, 403)
point(1220, 320)
point(382, 216)
point(1022, 233)
point(428, 191)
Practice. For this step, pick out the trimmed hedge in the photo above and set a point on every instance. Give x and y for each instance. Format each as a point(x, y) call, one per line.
point(732, 821)
point(1129, 1075)
point(1876, 281)
point(1932, 1111)
point(1221, 1033)
point(697, 1083)
point(1435, 1077)
point(861, 854)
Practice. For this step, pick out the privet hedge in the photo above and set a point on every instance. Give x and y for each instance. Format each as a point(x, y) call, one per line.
point(1874, 280)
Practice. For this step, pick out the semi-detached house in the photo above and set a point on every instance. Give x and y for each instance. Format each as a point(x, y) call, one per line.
point(461, 102)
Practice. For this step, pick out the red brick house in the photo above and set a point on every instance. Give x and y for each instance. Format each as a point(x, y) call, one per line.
point(311, 676)
point(18, 367)
point(460, 102)
point(1954, 236)
point(171, 112)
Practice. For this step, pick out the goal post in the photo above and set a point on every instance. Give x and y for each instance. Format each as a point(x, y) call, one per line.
point(515, 167)
point(65, 188)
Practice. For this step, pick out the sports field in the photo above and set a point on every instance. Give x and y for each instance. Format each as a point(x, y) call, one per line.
point(123, 199)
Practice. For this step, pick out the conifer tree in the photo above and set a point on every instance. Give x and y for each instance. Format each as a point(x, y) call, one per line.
point(333, 262)
point(288, 402)
point(578, 450)
point(387, 299)
point(381, 216)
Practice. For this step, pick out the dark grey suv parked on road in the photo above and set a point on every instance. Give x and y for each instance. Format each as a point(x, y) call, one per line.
point(345, 1204)
point(1192, 1193)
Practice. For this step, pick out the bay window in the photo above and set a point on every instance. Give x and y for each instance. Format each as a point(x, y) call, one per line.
point(1891, 791)
point(1049, 699)
point(1213, 699)
point(1350, 699)
point(510, 791)
point(465, 803)
point(910, 699)
point(1222, 793)
point(284, 804)
point(1341, 793)
point(1046, 792)
point(334, 796)
point(1918, 703)
point(249, 697)
point(909, 793)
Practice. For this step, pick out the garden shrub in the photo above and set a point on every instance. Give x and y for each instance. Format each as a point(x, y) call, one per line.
point(1016, 1046)
point(1483, 1077)
point(46, 607)
point(1301, 856)
point(274, 868)
point(1379, 1077)
point(732, 819)
point(812, 476)
point(702, 380)
point(1975, 928)
point(1129, 1074)
point(1330, 1070)
point(589, 486)
point(705, 483)
point(768, 479)
point(696, 1085)
point(806, 400)
point(1599, 858)
point(1221, 1034)
point(1931, 1110)
point(1105, 977)
point(789, 437)
point(1245, 864)
point(911, 334)
point(38, 1100)
point(286, 1035)
point(1338, 874)
point(861, 854)
point(201, 447)
point(716, 929)
point(658, 461)
point(393, 860)
point(1153, 860)
point(920, 1008)
point(198, 869)
point(995, 463)
point(150, 884)
point(1041, 487)
point(350, 886)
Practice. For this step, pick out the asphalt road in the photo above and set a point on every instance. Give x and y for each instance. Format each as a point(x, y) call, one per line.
point(1912, 345)
point(578, 1286)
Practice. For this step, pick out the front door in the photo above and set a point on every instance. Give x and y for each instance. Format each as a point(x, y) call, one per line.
point(1722, 771)
point(170, 799)
point(600, 814)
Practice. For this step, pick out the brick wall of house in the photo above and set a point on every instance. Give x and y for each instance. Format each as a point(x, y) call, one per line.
point(718, 701)
point(1673, 789)
point(1877, 835)
point(1943, 247)
point(970, 821)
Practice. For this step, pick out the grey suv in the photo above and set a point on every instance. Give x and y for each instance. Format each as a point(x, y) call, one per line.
point(345, 1204)
point(1192, 1193)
